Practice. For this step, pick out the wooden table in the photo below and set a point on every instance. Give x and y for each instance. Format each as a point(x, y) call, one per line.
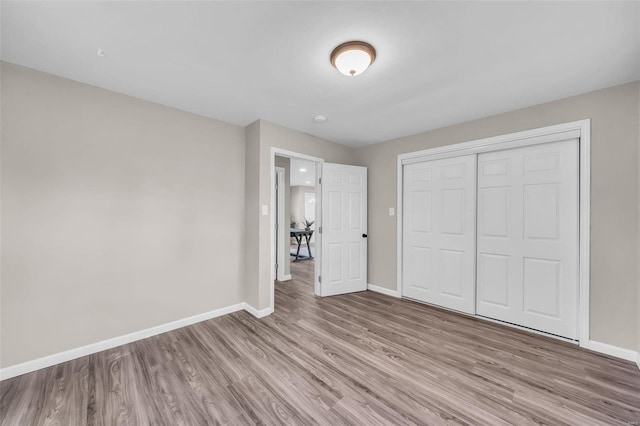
point(298, 234)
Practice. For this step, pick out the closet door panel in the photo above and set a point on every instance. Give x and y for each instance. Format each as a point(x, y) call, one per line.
point(418, 224)
point(439, 232)
point(528, 236)
point(497, 228)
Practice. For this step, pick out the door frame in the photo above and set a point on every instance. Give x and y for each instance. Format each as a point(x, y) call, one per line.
point(576, 129)
point(281, 237)
point(318, 257)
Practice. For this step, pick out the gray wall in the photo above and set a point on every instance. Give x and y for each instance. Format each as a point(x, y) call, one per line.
point(614, 191)
point(117, 214)
point(297, 204)
point(298, 208)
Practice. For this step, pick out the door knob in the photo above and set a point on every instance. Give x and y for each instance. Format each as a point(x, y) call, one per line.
point(364, 235)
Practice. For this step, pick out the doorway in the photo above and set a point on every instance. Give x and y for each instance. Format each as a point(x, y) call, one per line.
point(296, 203)
point(336, 241)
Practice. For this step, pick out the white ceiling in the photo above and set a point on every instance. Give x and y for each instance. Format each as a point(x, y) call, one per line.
point(438, 63)
point(302, 172)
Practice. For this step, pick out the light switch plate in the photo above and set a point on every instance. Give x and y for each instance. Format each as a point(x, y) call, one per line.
point(392, 211)
point(265, 209)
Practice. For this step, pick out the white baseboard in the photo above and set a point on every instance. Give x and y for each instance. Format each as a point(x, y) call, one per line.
point(285, 278)
point(49, 360)
point(258, 313)
point(383, 290)
point(615, 351)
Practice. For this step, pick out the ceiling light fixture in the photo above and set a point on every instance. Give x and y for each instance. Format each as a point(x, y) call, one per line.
point(303, 170)
point(353, 57)
point(100, 52)
point(320, 118)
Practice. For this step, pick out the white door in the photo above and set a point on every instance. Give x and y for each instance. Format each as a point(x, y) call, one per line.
point(528, 237)
point(438, 236)
point(344, 228)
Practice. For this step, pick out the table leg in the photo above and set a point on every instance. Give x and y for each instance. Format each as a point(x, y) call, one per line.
point(308, 237)
point(299, 241)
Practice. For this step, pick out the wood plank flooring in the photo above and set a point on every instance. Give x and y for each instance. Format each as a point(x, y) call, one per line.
point(363, 358)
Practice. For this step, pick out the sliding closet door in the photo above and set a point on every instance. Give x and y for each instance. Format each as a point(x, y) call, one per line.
point(528, 237)
point(439, 232)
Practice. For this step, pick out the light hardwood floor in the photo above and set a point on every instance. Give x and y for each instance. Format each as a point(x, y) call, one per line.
point(362, 358)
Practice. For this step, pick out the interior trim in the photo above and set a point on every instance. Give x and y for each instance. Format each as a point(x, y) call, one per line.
point(258, 313)
point(513, 140)
point(282, 251)
point(383, 290)
point(615, 351)
point(92, 348)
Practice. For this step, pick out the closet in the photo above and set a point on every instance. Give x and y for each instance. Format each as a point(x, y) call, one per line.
point(496, 234)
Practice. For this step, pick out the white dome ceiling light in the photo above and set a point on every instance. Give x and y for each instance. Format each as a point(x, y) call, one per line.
point(353, 57)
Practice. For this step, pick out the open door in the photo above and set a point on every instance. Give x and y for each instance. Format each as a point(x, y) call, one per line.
point(344, 229)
